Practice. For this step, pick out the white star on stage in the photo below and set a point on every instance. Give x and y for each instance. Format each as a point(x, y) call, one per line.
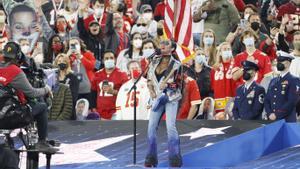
point(83, 152)
point(205, 132)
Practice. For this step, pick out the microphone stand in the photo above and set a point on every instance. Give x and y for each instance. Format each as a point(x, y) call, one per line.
point(134, 87)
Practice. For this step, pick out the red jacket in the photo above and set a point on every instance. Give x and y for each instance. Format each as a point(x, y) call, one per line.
point(88, 60)
point(7, 75)
point(262, 61)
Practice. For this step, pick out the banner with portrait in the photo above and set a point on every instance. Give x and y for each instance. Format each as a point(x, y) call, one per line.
point(22, 21)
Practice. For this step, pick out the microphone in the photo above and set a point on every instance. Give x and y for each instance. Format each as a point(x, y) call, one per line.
point(157, 52)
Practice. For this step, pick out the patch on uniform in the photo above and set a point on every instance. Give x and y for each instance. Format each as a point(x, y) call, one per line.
point(261, 98)
point(251, 94)
point(297, 88)
point(285, 82)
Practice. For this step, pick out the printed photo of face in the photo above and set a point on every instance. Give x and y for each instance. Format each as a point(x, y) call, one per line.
point(22, 23)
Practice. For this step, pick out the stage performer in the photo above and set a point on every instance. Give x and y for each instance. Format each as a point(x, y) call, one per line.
point(165, 93)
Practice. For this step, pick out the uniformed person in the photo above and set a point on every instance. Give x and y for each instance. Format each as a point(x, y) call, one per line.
point(282, 94)
point(249, 100)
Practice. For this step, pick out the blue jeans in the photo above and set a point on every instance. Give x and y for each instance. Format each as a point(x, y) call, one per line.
point(173, 139)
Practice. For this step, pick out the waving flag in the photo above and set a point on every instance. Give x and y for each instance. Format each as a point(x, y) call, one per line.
point(178, 25)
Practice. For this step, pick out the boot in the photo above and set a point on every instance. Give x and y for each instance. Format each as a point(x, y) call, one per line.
point(175, 161)
point(150, 161)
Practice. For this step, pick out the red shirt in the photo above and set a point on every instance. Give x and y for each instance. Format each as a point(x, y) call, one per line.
point(191, 97)
point(223, 85)
point(106, 102)
point(262, 60)
point(88, 60)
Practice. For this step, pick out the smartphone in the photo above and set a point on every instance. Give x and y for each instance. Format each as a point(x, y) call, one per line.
point(243, 23)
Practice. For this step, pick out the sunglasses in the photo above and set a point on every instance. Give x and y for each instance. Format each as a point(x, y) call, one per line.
point(141, 24)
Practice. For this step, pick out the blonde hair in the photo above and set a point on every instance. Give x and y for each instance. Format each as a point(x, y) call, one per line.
point(213, 51)
point(66, 60)
point(219, 59)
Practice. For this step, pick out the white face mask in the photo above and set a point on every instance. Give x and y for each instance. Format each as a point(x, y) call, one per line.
point(226, 55)
point(25, 49)
point(208, 41)
point(2, 19)
point(200, 59)
point(109, 64)
point(148, 16)
point(137, 43)
point(148, 52)
point(99, 11)
point(142, 29)
point(249, 42)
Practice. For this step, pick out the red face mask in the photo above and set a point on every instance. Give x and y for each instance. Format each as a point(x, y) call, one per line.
point(61, 27)
point(135, 74)
point(57, 47)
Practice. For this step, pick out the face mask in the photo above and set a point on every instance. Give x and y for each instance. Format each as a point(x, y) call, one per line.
point(62, 66)
point(200, 59)
point(61, 27)
point(99, 11)
point(2, 19)
point(109, 64)
point(296, 45)
point(255, 26)
point(208, 41)
point(142, 29)
point(137, 43)
point(57, 47)
point(280, 66)
point(246, 76)
point(160, 31)
point(226, 55)
point(25, 49)
point(249, 41)
point(135, 74)
point(148, 52)
point(148, 16)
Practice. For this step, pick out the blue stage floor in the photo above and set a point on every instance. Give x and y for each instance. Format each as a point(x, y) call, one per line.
point(102, 145)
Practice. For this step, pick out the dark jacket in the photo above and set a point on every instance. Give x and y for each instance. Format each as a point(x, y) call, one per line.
point(94, 44)
point(62, 106)
point(72, 81)
point(282, 97)
point(249, 103)
point(112, 40)
point(203, 80)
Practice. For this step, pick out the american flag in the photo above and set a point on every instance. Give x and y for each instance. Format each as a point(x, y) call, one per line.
point(178, 25)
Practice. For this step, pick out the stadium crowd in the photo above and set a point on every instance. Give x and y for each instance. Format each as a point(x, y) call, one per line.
point(246, 62)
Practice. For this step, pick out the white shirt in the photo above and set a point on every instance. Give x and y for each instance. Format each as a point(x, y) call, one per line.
point(295, 66)
point(125, 101)
point(248, 84)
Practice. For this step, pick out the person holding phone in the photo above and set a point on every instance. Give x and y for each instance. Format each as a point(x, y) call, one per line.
point(106, 85)
point(83, 63)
